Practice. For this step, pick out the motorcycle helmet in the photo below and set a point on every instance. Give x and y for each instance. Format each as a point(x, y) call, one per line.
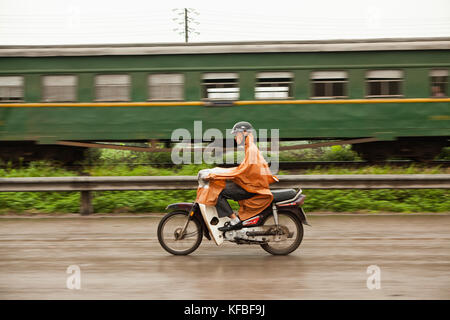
point(241, 126)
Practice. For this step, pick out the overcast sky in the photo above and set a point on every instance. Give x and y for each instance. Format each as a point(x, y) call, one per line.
point(35, 22)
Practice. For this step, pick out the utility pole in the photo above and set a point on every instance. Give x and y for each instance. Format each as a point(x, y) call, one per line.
point(186, 22)
point(186, 26)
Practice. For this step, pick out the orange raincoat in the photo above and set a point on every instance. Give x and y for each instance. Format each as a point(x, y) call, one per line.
point(253, 175)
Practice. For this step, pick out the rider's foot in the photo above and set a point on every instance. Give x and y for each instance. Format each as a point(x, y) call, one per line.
point(235, 220)
point(229, 225)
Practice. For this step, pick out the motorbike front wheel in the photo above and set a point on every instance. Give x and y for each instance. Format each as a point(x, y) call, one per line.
point(170, 237)
point(289, 223)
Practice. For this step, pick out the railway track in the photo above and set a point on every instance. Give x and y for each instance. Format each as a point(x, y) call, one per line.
point(305, 165)
point(289, 165)
point(298, 165)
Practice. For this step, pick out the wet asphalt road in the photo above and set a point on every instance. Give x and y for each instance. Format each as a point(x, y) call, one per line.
point(120, 258)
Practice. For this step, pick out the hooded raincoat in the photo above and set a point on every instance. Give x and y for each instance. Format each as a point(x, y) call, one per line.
point(252, 174)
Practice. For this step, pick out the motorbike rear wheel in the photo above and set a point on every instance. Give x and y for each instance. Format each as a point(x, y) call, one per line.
point(169, 233)
point(293, 223)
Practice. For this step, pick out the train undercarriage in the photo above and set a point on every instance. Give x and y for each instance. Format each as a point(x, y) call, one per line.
point(20, 152)
point(71, 152)
point(417, 149)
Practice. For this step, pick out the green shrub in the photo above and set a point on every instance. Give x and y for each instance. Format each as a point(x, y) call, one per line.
point(378, 200)
point(339, 153)
point(444, 155)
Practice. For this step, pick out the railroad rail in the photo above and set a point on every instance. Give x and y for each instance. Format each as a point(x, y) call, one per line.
point(302, 165)
point(86, 185)
point(282, 165)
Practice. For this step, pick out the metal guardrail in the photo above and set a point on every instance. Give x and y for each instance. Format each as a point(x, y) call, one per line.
point(351, 181)
point(86, 185)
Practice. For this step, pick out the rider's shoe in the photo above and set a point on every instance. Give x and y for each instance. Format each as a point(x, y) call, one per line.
point(228, 226)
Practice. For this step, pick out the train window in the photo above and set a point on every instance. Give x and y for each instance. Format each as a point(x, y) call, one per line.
point(112, 87)
point(384, 83)
point(61, 88)
point(439, 80)
point(11, 88)
point(220, 86)
point(329, 84)
point(274, 85)
point(166, 86)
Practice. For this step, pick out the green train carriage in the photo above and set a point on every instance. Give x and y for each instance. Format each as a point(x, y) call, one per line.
point(392, 93)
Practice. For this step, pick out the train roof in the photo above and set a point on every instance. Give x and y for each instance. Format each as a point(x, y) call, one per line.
point(391, 44)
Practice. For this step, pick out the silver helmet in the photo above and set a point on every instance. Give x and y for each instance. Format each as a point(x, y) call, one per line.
point(242, 126)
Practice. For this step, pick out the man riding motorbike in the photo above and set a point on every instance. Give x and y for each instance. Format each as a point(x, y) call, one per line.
point(247, 183)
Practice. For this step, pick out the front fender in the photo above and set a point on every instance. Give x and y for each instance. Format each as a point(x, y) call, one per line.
point(185, 206)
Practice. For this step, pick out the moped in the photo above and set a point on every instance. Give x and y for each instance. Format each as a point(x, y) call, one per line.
point(278, 229)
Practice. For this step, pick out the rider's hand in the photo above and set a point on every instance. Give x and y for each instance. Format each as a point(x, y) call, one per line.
point(210, 176)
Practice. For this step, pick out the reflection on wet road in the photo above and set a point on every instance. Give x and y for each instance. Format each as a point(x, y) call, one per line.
point(120, 258)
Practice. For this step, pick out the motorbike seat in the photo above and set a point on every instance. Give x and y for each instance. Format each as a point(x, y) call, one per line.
point(283, 194)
